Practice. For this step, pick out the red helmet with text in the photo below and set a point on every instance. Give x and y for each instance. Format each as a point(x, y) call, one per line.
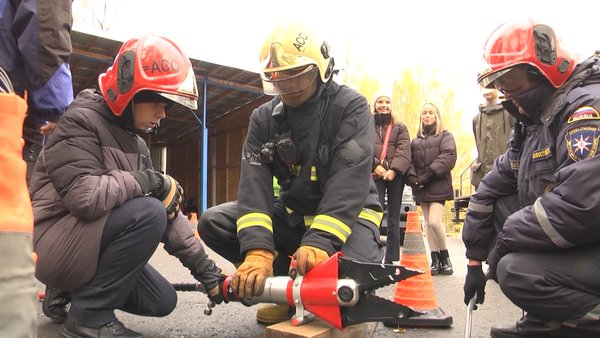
point(149, 63)
point(526, 42)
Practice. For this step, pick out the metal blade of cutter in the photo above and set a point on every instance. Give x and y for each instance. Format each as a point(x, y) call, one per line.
point(372, 276)
point(469, 321)
point(371, 308)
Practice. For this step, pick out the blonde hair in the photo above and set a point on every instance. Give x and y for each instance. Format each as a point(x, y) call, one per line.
point(439, 123)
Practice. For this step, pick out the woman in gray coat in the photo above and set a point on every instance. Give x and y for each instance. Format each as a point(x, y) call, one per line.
point(433, 158)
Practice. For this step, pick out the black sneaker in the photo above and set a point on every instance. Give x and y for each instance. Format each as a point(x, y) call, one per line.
point(109, 330)
point(55, 304)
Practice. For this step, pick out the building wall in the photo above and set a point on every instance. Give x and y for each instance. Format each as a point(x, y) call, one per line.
point(225, 156)
point(226, 136)
point(184, 164)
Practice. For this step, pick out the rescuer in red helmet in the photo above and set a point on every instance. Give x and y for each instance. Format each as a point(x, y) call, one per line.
point(542, 193)
point(100, 207)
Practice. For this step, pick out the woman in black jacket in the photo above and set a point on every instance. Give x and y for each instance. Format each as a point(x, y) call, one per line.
point(391, 158)
point(429, 175)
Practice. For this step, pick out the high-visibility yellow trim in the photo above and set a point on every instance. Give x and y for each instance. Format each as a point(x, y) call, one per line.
point(254, 219)
point(371, 216)
point(333, 226)
point(313, 174)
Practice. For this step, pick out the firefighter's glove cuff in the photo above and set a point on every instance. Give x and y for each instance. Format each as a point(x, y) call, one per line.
point(162, 187)
point(250, 278)
point(307, 257)
point(216, 293)
point(171, 197)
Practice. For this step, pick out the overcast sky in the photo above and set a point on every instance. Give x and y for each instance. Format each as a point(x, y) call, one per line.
point(386, 35)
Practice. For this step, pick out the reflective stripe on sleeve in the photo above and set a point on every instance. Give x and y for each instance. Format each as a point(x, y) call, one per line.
point(254, 219)
point(486, 209)
point(542, 218)
point(313, 173)
point(372, 216)
point(333, 226)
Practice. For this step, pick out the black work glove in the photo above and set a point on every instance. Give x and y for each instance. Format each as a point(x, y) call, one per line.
point(499, 251)
point(474, 284)
point(163, 187)
point(209, 274)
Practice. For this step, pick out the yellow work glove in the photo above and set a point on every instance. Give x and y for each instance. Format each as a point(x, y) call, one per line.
point(250, 278)
point(307, 257)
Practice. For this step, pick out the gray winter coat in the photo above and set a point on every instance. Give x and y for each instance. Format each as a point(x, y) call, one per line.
point(81, 175)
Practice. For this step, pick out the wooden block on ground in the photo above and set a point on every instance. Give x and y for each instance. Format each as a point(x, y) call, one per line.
point(314, 329)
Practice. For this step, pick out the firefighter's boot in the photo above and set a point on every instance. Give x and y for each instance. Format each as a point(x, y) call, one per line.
point(274, 313)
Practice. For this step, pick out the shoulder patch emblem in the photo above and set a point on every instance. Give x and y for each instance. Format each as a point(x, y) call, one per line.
point(582, 142)
point(584, 113)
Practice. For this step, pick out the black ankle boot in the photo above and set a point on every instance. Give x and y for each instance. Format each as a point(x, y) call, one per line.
point(435, 263)
point(528, 327)
point(445, 265)
point(55, 304)
point(114, 329)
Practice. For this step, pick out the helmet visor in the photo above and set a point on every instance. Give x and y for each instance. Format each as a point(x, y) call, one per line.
point(488, 81)
point(288, 81)
point(182, 100)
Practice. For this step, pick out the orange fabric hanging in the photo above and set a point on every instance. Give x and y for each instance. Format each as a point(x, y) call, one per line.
point(16, 214)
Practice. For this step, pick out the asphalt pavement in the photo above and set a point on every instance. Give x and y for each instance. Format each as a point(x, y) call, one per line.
point(236, 320)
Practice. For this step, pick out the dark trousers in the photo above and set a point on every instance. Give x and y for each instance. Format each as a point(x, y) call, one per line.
point(124, 280)
point(394, 190)
point(559, 285)
point(556, 286)
point(217, 228)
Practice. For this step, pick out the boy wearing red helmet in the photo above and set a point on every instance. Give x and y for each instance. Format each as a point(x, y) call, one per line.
point(541, 193)
point(101, 209)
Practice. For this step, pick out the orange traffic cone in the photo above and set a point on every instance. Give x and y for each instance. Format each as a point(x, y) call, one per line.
point(417, 292)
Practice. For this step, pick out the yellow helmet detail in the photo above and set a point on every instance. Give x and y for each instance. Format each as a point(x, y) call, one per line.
point(293, 46)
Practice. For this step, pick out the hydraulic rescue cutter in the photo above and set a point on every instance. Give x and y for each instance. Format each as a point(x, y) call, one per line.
point(340, 291)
